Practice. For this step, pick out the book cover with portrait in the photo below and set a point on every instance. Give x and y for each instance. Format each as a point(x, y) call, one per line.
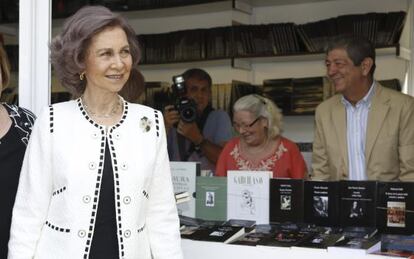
point(321, 203)
point(211, 198)
point(286, 200)
point(248, 195)
point(358, 203)
point(395, 207)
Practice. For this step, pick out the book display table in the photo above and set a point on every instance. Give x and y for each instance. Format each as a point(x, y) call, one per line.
point(213, 250)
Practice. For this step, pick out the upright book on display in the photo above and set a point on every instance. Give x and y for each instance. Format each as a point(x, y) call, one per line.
point(211, 198)
point(322, 203)
point(395, 207)
point(358, 203)
point(183, 176)
point(248, 195)
point(286, 200)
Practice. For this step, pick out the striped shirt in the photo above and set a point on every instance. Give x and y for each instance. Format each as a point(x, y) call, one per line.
point(356, 121)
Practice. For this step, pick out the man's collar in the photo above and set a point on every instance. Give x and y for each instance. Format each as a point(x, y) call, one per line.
point(366, 99)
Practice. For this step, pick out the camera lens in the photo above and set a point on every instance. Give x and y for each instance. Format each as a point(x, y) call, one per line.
point(188, 114)
point(187, 109)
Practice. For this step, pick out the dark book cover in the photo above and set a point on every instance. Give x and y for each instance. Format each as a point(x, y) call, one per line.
point(224, 234)
point(286, 200)
point(358, 203)
point(321, 203)
point(251, 239)
point(286, 238)
point(321, 241)
point(359, 232)
point(395, 207)
point(359, 246)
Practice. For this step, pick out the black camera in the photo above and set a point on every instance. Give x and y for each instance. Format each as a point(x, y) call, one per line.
point(186, 107)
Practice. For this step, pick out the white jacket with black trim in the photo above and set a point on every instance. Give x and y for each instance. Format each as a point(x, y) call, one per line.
point(57, 199)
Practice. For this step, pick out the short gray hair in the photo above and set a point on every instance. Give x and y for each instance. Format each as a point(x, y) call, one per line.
point(69, 48)
point(262, 107)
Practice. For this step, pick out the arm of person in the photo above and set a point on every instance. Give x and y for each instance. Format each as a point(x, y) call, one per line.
point(298, 164)
point(34, 192)
point(320, 168)
point(221, 166)
point(406, 141)
point(209, 149)
point(162, 218)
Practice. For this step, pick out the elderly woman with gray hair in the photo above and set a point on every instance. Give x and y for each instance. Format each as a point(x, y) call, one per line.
point(260, 146)
point(95, 181)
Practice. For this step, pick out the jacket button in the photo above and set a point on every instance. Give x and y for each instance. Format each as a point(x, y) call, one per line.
point(127, 200)
point(92, 165)
point(81, 233)
point(124, 166)
point(86, 199)
point(117, 135)
point(127, 233)
point(94, 135)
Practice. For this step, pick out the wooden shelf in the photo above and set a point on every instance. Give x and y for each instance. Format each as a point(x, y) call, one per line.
point(213, 7)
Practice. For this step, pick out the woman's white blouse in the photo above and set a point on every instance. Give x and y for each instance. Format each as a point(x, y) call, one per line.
point(56, 204)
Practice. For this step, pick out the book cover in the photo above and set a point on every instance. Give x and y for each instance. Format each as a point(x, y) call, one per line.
point(248, 195)
point(321, 203)
point(211, 198)
point(286, 200)
point(224, 234)
point(358, 203)
point(181, 197)
point(359, 232)
point(395, 207)
point(320, 241)
point(356, 246)
point(286, 238)
point(397, 243)
point(252, 238)
point(183, 175)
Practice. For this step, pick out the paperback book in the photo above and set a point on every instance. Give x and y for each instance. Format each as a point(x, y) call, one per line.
point(395, 207)
point(320, 241)
point(356, 246)
point(286, 200)
point(358, 203)
point(224, 234)
point(286, 238)
point(183, 175)
point(321, 203)
point(397, 243)
point(248, 195)
point(211, 198)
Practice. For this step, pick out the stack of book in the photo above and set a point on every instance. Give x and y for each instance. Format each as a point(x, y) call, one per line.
point(382, 29)
point(298, 96)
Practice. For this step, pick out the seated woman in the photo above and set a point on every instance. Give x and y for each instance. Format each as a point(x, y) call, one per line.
point(260, 146)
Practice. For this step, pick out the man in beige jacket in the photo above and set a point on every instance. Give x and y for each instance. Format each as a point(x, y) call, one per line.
point(366, 131)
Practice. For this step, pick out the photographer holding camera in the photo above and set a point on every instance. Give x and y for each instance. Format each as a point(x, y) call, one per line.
point(196, 132)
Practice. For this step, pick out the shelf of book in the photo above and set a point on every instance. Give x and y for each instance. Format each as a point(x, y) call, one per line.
point(208, 250)
point(245, 62)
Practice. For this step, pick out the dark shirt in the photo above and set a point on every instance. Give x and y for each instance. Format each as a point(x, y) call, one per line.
point(105, 241)
point(11, 158)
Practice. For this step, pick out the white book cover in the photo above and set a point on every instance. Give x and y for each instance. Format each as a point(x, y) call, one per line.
point(183, 176)
point(248, 195)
